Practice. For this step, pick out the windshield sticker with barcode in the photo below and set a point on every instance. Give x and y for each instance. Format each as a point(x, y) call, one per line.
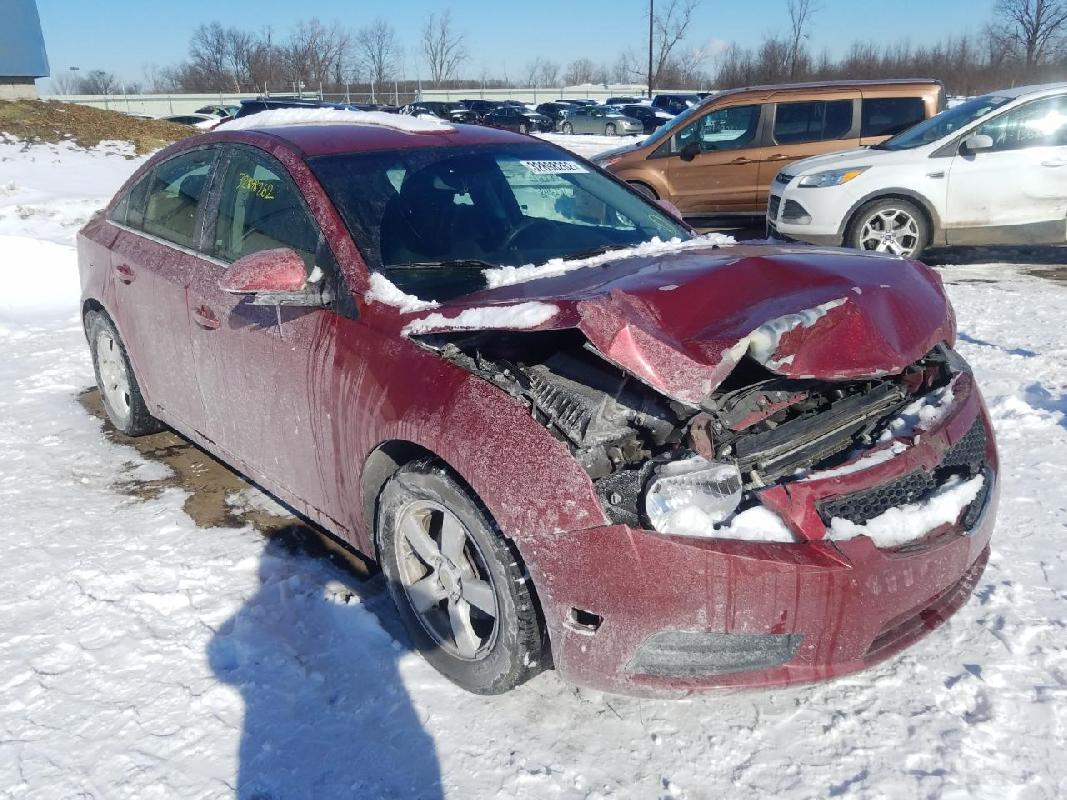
point(553, 167)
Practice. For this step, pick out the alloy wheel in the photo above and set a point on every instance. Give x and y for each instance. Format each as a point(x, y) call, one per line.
point(568, 128)
point(114, 378)
point(890, 230)
point(609, 129)
point(446, 580)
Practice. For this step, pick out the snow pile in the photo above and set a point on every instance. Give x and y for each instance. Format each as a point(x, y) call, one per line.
point(384, 291)
point(912, 522)
point(921, 415)
point(515, 317)
point(756, 524)
point(40, 279)
point(507, 276)
point(279, 117)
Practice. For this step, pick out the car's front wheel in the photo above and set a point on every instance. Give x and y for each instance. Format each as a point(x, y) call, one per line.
point(119, 390)
point(609, 129)
point(460, 588)
point(891, 225)
point(523, 128)
point(567, 128)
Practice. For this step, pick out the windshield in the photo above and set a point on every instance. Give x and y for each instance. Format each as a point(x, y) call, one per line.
point(943, 124)
point(669, 127)
point(431, 218)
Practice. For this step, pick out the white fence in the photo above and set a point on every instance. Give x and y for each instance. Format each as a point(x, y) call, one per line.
point(162, 105)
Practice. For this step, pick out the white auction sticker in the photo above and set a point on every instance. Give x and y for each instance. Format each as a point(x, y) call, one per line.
point(553, 167)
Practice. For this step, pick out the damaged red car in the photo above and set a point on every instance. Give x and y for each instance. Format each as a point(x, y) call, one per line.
point(573, 433)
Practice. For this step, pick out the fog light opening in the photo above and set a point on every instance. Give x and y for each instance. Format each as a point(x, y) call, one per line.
point(584, 621)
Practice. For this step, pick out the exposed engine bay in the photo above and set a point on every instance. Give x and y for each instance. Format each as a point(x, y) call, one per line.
point(620, 429)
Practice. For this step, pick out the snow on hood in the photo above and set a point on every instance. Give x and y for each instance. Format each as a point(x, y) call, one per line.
point(278, 117)
point(384, 291)
point(804, 312)
point(508, 317)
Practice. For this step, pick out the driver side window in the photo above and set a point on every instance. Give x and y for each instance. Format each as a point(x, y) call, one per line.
point(1042, 123)
point(260, 208)
point(722, 129)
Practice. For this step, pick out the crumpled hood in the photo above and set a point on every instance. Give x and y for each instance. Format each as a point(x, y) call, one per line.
point(682, 321)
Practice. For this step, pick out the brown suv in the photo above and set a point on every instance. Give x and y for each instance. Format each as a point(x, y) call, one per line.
point(720, 157)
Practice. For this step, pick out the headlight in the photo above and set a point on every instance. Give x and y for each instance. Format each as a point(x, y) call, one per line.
point(688, 497)
point(833, 177)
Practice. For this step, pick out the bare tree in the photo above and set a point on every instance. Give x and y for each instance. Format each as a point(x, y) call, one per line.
point(445, 49)
point(549, 73)
point(533, 71)
point(801, 13)
point(579, 71)
point(314, 53)
point(670, 26)
point(379, 51)
point(65, 82)
point(1032, 25)
point(98, 81)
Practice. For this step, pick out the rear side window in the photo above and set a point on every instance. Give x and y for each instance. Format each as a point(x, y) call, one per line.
point(888, 116)
point(260, 208)
point(174, 192)
point(812, 121)
point(129, 210)
point(1042, 123)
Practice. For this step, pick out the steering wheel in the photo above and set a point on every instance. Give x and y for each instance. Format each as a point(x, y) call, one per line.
point(521, 229)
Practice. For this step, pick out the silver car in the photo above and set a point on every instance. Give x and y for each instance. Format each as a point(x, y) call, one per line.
point(606, 120)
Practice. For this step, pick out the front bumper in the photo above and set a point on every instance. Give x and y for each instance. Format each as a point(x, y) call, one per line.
point(806, 215)
point(673, 615)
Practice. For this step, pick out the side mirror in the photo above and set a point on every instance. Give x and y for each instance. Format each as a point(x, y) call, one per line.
point(977, 142)
point(274, 278)
point(690, 151)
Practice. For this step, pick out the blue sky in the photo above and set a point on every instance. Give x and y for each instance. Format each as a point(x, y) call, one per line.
point(122, 36)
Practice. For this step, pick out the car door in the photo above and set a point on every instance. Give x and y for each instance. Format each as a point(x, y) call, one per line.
point(1016, 192)
point(153, 259)
point(715, 162)
point(806, 128)
point(256, 363)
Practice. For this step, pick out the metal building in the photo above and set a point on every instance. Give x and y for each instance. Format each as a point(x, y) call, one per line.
point(22, 54)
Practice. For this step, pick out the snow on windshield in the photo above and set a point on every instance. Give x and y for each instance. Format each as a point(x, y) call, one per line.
point(277, 117)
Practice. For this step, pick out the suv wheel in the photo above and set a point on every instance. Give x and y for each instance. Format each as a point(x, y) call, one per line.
point(609, 129)
point(460, 589)
point(119, 390)
point(890, 226)
point(567, 128)
point(645, 190)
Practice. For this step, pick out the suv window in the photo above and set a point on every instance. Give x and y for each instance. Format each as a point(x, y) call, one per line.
point(1042, 123)
point(812, 121)
point(174, 191)
point(261, 209)
point(722, 129)
point(888, 116)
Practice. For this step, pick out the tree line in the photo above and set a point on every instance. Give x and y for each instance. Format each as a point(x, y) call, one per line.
point(1025, 41)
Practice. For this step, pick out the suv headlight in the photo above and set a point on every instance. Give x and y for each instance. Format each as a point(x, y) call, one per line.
point(688, 497)
point(832, 177)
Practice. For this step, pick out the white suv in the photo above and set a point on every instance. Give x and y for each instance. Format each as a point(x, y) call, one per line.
point(992, 170)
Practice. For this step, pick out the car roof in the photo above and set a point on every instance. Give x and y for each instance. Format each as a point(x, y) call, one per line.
point(322, 139)
point(1022, 91)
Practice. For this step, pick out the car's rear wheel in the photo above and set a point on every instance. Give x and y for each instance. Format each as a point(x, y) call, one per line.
point(892, 226)
point(119, 390)
point(459, 586)
point(609, 129)
point(567, 128)
point(523, 128)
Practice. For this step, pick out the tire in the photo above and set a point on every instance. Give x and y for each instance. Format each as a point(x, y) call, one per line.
point(644, 190)
point(523, 128)
point(890, 225)
point(119, 390)
point(567, 128)
point(609, 129)
point(421, 508)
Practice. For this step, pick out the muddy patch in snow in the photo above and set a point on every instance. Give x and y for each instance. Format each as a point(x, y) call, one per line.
point(218, 497)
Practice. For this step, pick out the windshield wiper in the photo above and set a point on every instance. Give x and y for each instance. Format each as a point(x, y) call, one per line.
point(599, 250)
point(470, 263)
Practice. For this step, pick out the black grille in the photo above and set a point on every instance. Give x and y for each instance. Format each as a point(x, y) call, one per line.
point(966, 459)
point(772, 206)
point(867, 504)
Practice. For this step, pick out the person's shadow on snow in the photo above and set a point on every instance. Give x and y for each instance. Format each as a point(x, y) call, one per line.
point(326, 714)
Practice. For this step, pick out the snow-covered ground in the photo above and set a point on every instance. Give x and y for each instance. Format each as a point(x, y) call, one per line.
point(143, 657)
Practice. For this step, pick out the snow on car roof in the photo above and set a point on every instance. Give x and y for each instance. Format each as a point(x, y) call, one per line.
point(281, 117)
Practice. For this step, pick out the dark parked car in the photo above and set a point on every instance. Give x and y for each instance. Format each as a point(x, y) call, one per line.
point(223, 111)
point(453, 112)
point(555, 111)
point(480, 107)
point(621, 101)
point(513, 118)
point(689, 466)
point(651, 118)
point(675, 103)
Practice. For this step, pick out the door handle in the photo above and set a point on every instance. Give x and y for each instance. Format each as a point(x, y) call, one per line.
point(125, 274)
point(741, 160)
point(784, 157)
point(1055, 162)
point(206, 318)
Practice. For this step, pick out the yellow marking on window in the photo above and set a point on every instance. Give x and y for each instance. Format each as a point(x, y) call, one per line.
point(259, 188)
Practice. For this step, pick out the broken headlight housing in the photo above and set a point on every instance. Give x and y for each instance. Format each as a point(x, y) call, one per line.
point(689, 497)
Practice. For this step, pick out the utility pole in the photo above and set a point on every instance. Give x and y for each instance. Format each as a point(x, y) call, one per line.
point(651, 17)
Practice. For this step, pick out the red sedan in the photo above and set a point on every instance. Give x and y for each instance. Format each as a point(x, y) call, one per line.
point(571, 432)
